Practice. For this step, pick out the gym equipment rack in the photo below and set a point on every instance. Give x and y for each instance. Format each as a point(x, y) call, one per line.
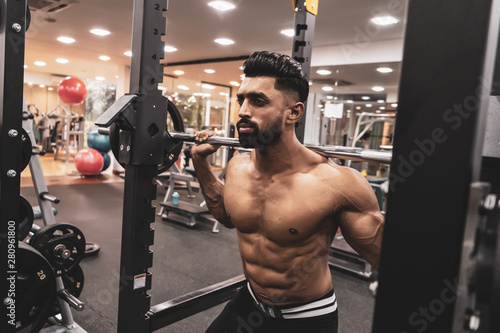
point(12, 41)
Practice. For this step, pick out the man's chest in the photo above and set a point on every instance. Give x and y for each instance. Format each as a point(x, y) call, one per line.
point(292, 207)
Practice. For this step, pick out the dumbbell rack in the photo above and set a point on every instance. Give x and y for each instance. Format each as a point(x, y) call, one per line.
point(45, 202)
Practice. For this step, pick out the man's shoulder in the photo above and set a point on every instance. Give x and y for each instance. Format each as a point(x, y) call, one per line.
point(342, 180)
point(238, 161)
point(334, 172)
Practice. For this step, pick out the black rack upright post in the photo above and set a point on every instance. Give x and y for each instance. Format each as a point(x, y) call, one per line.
point(141, 150)
point(446, 78)
point(12, 41)
point(305, 20)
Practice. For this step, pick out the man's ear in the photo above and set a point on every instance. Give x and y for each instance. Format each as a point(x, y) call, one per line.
point(296, 112)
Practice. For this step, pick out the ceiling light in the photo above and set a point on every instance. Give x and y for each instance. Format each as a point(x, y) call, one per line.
point(377, 88)
point(40, 63)
point(207, 86)
point(384, 20)
point(380, 101)
point(378, 111)
point(223, 94)
point(365, 98)
point(162, 88)
point(384, 70)
point(221, 5)
point(394, 105)
point(234, 83)
point(350, 101)
point(323, 72)
point(182, 87)
point(329, 97)
point(100, 32)
point(50, 88)
point(209, 71)
point(335, 98)
point(25, 66)
point(100, 78)
point(128, 53)
point(170, 48)
point(310, 83)
point(104, 58)
point(358, 107)
point(42, 86)
point(62, 61)
point(327, 88)
point(66, 40)
point(382, 108)
point(224, 41)
point(288, 32)
point(369, 105)
point(178, 72)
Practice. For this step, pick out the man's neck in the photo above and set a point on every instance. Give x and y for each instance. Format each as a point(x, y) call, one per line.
point(280, 156)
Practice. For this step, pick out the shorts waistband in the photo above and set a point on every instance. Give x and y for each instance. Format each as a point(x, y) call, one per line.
point(325, 305)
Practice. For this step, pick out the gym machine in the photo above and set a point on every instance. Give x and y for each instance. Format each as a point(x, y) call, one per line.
point(13, 22)
point(71, 135)
point(41, 279)
point(440, 255)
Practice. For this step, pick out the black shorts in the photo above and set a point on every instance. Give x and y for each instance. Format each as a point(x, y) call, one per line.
point(246, 314)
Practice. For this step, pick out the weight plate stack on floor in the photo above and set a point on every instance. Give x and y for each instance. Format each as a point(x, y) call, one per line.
point(36, 289)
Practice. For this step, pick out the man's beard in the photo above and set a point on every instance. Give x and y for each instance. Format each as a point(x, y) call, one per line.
point(260, 138)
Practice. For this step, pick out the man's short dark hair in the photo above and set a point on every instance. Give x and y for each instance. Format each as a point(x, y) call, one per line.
point(286, 70)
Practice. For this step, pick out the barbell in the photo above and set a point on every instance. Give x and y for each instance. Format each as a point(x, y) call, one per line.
point(342, 152)
point(120, 121)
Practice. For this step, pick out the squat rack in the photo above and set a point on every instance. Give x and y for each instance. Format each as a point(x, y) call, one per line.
point(437, 183)
point(423, 234)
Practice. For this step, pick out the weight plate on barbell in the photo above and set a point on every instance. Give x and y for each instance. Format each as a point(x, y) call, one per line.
point(26, 218)
point(73, 282)
point(172, 148)
point(62, 244)
point(36, 289)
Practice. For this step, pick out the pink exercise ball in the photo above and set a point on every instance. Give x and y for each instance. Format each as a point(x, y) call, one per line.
point(72, 91)
point(89, 161)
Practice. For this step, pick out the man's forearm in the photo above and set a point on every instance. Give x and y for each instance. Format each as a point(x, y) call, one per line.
point(212, 188)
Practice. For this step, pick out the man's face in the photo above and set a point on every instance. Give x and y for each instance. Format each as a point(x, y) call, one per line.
point(262, 109)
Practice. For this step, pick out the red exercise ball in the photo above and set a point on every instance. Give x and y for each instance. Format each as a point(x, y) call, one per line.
point(89, 161)
point(72, 91)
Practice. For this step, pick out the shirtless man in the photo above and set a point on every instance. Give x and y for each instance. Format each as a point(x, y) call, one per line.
point(286, 203)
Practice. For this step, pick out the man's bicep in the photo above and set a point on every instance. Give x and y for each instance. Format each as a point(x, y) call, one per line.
point(361, 221)
point(363, 232)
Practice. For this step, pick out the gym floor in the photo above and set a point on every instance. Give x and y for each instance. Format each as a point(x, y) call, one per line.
point(185, 259)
